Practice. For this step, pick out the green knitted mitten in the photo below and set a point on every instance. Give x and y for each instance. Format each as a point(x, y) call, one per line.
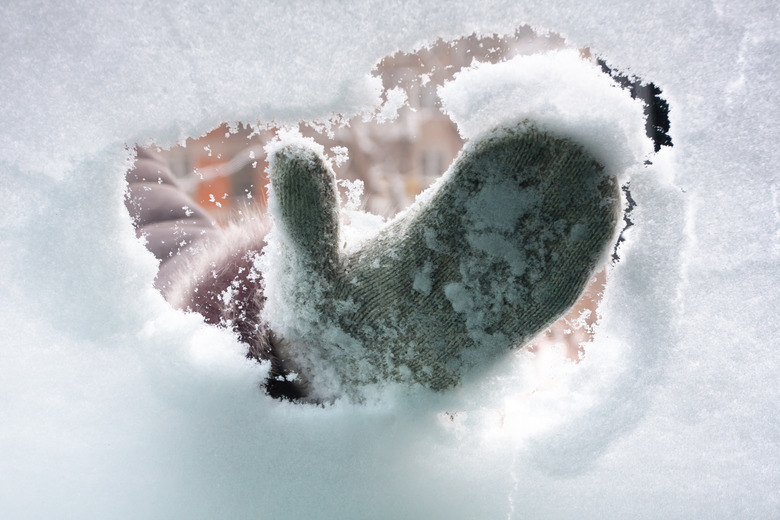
point(492, 254)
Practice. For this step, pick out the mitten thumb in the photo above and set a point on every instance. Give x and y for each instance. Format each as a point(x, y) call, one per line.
point(305, 204)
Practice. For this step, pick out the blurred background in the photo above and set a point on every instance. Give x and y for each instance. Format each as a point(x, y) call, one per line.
point(395, 157)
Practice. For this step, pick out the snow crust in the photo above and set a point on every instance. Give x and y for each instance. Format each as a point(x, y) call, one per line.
point(113, 405)
point(560, 92)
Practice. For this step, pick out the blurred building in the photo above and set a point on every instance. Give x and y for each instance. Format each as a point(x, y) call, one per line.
point(396, 159)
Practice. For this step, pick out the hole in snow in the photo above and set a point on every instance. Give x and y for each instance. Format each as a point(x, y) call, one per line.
point(392, 156)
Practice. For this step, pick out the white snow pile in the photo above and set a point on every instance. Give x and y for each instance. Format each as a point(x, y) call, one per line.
point(113, 405)
point(560, 92)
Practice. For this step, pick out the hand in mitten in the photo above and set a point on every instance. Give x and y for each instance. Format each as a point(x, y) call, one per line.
point(492, 254)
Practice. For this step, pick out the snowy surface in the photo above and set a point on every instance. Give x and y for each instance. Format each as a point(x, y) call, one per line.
point(112, 405)
point(562, 94)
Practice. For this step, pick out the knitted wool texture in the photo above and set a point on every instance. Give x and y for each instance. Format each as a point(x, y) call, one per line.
point(491, 255)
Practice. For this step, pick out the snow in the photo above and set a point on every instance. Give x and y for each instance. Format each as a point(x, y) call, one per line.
point(113, 405)
point(591, 110)
point(396, 98)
